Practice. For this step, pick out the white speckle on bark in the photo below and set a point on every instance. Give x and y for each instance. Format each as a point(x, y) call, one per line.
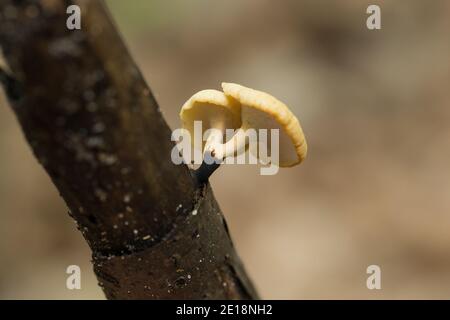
point(127, 198)
point(64, 47)
point(95, 142)
point(107, 158)
point(98, 127)
point(101, 194)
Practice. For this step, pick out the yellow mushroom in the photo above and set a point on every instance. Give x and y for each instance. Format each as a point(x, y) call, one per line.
point(240, 108)
point(213, 109)
point(260, 110)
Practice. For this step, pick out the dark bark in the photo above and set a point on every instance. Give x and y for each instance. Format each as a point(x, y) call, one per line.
point(96, 128)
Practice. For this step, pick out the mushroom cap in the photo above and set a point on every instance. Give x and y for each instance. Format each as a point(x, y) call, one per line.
point(260, 110)
point(214, 109)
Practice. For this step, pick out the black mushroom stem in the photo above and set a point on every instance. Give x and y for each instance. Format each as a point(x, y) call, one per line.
point(206, 169)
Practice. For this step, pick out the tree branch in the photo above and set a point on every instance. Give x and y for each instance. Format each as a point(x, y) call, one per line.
point(96, 128)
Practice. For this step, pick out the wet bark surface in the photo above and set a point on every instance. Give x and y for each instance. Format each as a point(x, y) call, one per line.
point(96, 128)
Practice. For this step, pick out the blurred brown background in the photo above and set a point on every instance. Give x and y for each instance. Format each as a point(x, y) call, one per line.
point(374, 106)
